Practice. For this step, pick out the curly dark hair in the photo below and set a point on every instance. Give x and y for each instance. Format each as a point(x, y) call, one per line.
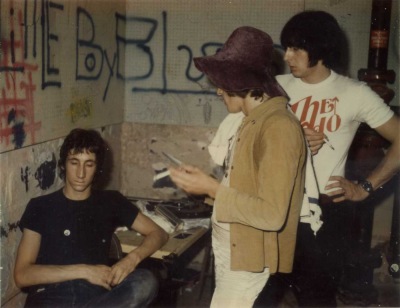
point(318, 33)
point(80, 140)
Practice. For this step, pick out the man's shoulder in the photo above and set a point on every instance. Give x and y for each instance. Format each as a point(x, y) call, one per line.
point(108, 196)
point(113, 201)
point(47, 198)
point(284, 78)
point(45, 203)
point(347, 80)
point(277, 115)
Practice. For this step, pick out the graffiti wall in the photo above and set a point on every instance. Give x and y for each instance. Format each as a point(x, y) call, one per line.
point(58, 71)
point(59, 63)
point(34, 175)
point(163, 86)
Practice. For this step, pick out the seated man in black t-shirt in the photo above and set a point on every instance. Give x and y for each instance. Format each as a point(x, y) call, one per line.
point(63, 253)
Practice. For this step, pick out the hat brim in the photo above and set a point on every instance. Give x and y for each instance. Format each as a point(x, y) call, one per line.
point(234, 77)
point(227, 75)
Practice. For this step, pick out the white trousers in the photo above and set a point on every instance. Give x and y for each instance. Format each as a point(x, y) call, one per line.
point(233, 289)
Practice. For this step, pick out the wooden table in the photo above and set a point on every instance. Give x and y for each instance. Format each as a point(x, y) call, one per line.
point(178, 243)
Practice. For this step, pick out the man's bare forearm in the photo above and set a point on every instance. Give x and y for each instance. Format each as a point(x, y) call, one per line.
point(151, 243)
point(390, 164)
point(45, 274)
point(387, 168)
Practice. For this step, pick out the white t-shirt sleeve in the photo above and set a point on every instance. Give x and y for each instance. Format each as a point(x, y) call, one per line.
point(374, 111)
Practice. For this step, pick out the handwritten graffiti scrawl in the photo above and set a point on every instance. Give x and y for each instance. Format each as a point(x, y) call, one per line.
point(17, 121)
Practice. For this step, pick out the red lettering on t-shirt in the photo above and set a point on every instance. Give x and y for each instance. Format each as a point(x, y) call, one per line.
point(319, 115)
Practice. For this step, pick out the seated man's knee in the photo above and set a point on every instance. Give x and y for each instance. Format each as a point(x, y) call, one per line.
point(144, 283)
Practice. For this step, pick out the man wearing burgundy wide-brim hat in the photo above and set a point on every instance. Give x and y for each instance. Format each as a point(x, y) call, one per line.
point(257, 201)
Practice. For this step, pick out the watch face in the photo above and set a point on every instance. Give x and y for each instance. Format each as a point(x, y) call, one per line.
point(367, 186)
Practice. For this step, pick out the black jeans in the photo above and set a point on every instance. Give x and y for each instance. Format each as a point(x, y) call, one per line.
point(318, 264)
point(137, 290)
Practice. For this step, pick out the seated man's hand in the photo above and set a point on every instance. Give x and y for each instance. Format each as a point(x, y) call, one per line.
point(315, 140)
point(122, 268)
point(98, 275)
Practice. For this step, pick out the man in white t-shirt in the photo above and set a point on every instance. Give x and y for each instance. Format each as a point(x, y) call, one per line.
point(330, 108)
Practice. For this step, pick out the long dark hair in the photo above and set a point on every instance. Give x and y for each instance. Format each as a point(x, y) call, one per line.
point(318, 33)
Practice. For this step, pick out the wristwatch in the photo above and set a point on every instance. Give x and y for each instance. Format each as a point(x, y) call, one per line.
point(366, 185)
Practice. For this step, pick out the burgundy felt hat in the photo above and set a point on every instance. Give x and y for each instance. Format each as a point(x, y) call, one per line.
point(243, 63)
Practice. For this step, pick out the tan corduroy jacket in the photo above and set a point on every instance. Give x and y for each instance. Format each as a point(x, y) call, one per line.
point(266, 189)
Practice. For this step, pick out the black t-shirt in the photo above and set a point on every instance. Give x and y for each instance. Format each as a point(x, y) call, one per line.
point(77, 232)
